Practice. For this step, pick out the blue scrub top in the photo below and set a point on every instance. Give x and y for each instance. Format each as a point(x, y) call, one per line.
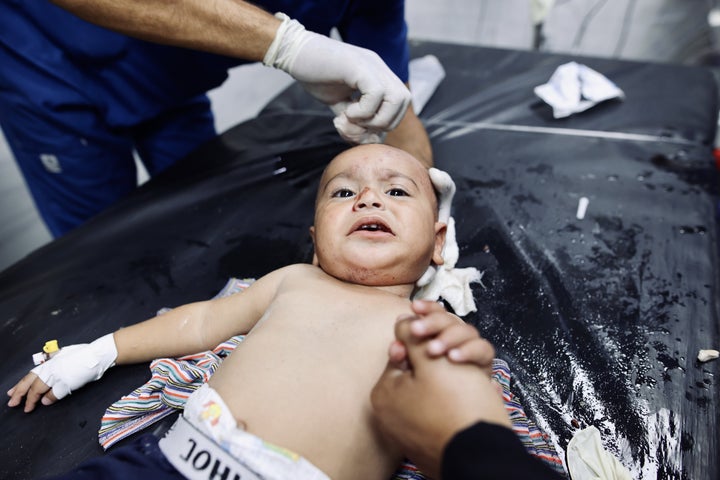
point(131, 80)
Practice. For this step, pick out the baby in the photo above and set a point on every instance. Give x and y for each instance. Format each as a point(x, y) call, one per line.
point(292, 401)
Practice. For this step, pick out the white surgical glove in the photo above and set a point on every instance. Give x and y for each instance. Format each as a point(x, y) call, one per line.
point(367, 98)
point(75, 365)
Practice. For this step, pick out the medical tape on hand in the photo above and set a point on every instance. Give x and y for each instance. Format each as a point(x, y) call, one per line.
point(76, 365)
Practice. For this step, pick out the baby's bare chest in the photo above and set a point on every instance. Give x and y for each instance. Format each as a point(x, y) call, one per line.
point(308, 340)
point(336, 311)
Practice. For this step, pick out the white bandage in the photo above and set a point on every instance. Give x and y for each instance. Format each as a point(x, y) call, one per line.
point(76, 365)
point(446, 281)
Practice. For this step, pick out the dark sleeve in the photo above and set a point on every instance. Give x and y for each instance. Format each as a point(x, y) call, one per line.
point(491, 452)
point(379, 25)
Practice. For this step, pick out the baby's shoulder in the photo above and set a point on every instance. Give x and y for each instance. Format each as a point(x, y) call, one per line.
point(302, 278)
point(302, 269)
point(297, 272)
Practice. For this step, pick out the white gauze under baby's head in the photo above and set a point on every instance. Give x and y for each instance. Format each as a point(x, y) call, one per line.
point(446, 281)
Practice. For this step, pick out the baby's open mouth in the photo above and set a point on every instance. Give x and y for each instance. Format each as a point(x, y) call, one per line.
point(374, 227)
point(371, 225)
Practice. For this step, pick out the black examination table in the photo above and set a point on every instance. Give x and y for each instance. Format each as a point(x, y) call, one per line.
point(600, 318)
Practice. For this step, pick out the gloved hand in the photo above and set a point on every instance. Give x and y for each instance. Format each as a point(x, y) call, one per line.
point(365, 95)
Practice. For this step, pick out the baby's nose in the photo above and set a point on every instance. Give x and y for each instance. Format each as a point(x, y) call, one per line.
point(368, 198)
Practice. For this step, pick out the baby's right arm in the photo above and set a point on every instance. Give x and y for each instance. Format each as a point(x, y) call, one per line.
point(188, 329)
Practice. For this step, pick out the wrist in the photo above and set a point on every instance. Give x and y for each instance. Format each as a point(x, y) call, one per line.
point(290, 36)
point(105, 351)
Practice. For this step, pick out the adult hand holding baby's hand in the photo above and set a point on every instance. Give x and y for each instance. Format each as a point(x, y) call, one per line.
point(425, 396)
point(446, 334)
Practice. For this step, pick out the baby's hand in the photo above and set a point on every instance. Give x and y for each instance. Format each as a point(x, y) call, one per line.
point(449, 335)
point(32, 388)
point(71, 368)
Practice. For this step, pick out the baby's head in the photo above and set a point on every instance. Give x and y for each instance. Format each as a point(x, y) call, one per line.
point(376, 218)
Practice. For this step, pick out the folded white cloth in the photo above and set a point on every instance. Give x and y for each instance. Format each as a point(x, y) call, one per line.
point(426, 73)
point(446, 281)
point(574, 88)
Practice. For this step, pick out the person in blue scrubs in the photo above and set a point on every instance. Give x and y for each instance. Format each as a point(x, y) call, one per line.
point(85, 83)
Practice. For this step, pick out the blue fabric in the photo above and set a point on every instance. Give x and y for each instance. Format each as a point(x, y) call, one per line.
point(87, 96)
point(75, 165)
point(132, 80)
point(141, 459)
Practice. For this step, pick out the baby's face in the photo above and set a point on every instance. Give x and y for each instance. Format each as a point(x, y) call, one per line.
point(375, 218)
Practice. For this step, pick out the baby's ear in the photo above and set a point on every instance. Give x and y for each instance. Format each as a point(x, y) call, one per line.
point(440, 233)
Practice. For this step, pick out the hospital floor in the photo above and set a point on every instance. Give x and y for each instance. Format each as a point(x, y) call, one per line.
point(475, 22)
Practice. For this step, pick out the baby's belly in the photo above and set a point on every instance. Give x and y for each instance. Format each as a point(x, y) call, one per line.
point(313, 400)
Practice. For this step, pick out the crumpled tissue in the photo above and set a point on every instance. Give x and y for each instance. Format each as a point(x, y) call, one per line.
point(446, 281)
point(587, 459)
point(574, 88)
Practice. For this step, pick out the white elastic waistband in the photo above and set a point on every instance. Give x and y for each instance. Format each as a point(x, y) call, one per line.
point(198, 457)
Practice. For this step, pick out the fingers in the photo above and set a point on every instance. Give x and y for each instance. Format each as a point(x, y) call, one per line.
point(17, 392)
point(403, 330)
point(432, 321)
point(397, 354)
point(446, 335)
point(33, 389)
point(392, 110)
point(478, 351)
point(414, 347)
point(354, 133)
point(376, 111)
point(452, 339)
point(426, 307)
point(49, 398)
point(365, 109)
point(383, 100)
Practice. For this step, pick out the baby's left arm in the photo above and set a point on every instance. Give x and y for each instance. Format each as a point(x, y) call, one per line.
point(459, 341)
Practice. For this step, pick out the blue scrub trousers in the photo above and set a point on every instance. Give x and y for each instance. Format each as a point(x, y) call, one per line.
point(142, 459)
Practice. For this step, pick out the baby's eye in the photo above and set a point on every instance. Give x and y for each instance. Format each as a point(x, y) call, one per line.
point(342, 193)
point(397, 192)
